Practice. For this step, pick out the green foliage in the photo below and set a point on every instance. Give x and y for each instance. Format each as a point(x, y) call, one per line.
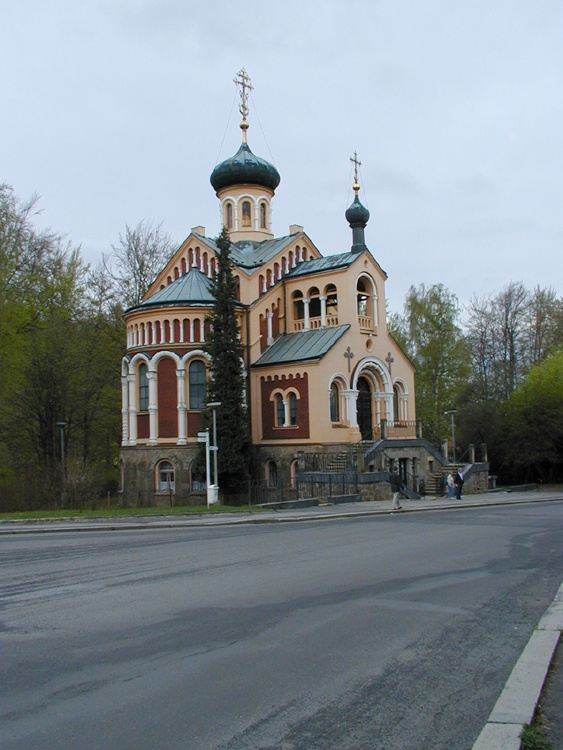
point(60, 350)
point(431, 335)
point(227, 383)
point(533, 417)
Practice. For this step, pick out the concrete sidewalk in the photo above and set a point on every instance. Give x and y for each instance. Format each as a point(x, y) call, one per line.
point(517, 703)
point(323, 512)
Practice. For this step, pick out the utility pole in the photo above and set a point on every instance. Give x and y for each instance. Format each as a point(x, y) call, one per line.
point(61, 426)
point(452, 412)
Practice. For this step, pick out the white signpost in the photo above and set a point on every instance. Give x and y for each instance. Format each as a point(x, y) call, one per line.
point(212, 489)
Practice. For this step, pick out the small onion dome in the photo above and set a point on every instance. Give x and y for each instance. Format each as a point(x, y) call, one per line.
point(357, 215)
point(244, 168)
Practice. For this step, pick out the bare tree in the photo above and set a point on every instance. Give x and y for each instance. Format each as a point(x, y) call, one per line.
point(142, 252)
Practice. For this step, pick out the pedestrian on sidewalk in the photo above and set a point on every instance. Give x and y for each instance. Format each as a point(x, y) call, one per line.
point(396, 488)
point(458, 484)
point(450, 482)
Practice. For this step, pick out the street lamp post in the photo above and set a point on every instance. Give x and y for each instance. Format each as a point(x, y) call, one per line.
point(61, 426)
point(452, 412)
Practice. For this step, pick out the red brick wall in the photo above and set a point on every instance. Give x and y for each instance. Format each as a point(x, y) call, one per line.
point(301, 384)
point(143, 429)
point(195, 421)
point(167, 399)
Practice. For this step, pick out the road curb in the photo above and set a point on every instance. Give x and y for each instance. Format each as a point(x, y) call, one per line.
point(518, 701)
point(205, 521)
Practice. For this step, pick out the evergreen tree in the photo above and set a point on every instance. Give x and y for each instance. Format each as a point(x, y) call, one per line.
point(226, 383)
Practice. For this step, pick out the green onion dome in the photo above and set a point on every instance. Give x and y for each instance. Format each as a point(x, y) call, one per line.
point(244, 168)
point(357, 215)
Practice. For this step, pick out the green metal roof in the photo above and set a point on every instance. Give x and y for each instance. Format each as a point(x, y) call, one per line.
point(192, 288)
point(248, 255)
point(304, 346)
point(329, 263)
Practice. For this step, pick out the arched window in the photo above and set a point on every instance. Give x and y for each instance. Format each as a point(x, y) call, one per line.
point(197, 384)
point(331, 299)
point(396, 417)
point(143, 387)
point(334, 403)
point(263, 224)
point(229, 215)
point(246, 222)
point(198, 482)
point(292, 409)
point(293, 473)
point(315, 303)
point(271, 473)
point(165, 477)
point(280, 411)
point(362, 297)
point(298, 306)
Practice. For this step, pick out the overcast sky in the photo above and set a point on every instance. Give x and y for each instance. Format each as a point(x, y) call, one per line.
point(118, 110)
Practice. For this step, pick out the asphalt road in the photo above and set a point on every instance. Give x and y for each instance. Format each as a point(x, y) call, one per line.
point(391, 632)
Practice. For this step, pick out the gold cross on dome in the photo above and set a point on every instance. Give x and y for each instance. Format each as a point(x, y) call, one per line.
point(243, 80)
point(357, 163)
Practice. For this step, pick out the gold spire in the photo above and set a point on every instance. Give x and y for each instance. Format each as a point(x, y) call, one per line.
point(243, 80)
point(357, 163)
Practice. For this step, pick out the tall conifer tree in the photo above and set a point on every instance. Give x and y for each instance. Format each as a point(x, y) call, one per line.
point(226, 382)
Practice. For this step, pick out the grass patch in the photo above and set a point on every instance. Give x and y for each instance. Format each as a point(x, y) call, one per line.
point(533, 738)
point(188, 510)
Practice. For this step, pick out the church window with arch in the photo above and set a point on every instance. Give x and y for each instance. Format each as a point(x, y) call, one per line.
point(271, 473)
point(334, 403)
point(229, 223)
point(292, 409)
point(298, 306)
point(280, 410)
point(197, 383)
point(165, 477)
point(246, 214)
point(263, 216)
point(143, 387)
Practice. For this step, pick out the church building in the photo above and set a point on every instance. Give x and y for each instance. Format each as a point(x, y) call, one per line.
point(324, 376)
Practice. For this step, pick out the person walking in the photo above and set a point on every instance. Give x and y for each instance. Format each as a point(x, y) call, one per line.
point(458, 484)
point(396, 487)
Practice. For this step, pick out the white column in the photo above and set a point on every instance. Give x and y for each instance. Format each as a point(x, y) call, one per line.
point(306, 307)
point(377, 408)
point(181, 376)
point(151, 377)
point(389, 406)
point(286, 417)
point(182, 331)
point(132, 382)
point(323, 311)
point(124, 411)
point(351, 405)
point(404, 401)
point(270, 339)
point(172, 331)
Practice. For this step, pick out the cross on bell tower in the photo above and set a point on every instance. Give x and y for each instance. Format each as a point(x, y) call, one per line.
point(357, 163)
point(243, 80)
